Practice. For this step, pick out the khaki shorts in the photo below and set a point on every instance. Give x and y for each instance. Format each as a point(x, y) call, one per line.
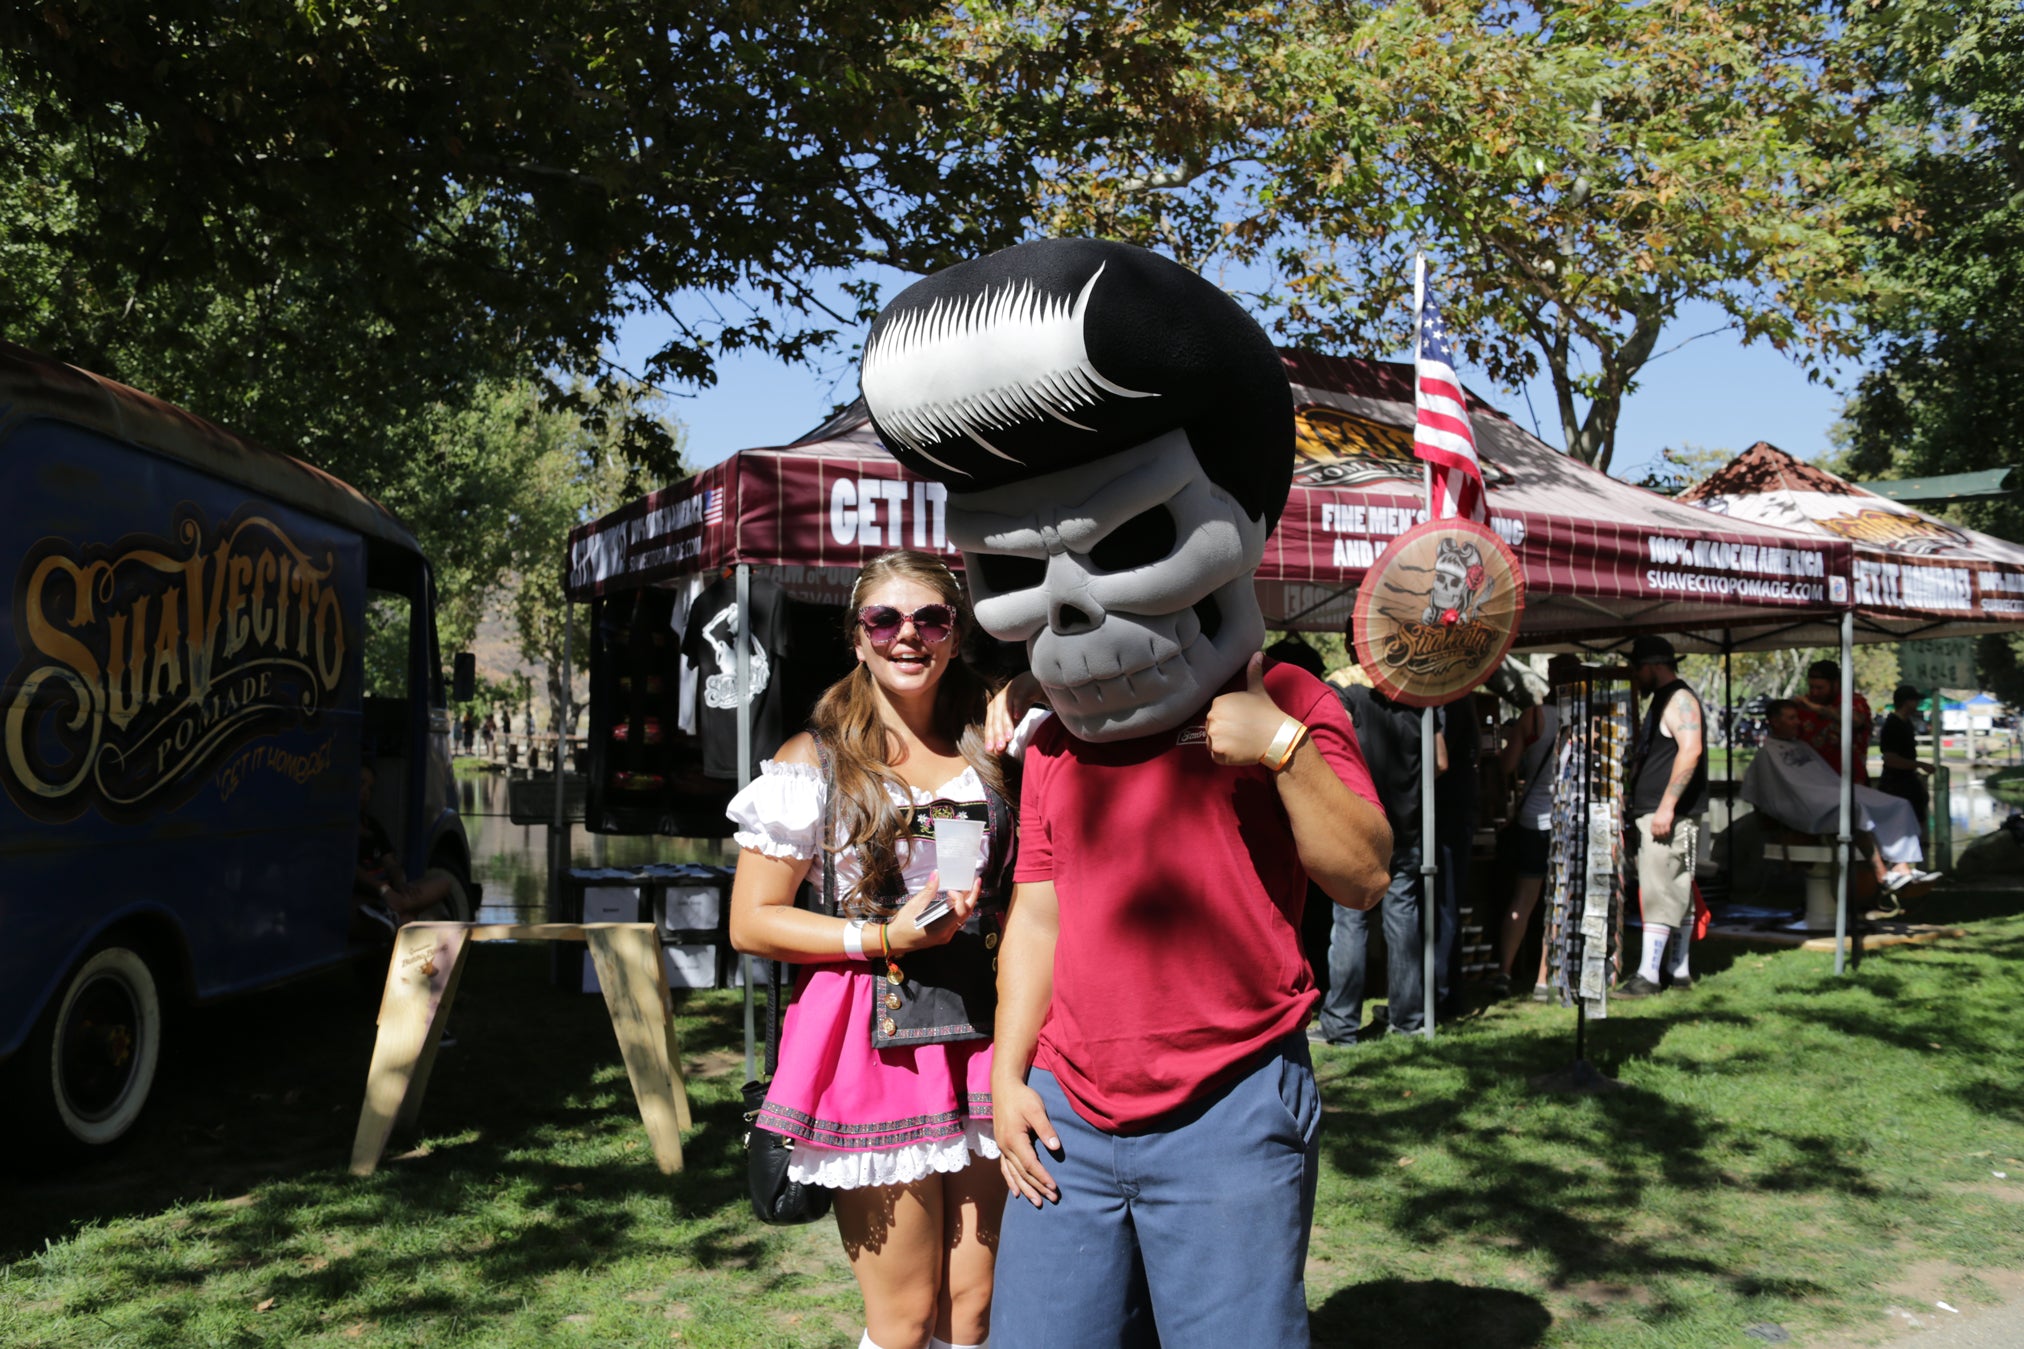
point(1665, 871)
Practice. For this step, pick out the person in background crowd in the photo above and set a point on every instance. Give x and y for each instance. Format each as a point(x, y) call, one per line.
point(1800, 792)
point(1820, 719)
point(902, 1135)
point(1904, 773)
point(1667, 783)
point(491, 733)
point(1457, 799)
point(1527, 752)
point(382, 895)
point(1389, 734)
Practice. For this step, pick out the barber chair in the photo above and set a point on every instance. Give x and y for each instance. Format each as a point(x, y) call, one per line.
point(1815, 852)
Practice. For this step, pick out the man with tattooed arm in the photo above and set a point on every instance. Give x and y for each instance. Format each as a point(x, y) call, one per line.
point(1668, 783)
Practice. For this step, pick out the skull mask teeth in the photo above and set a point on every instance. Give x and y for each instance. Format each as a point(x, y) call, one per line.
point(1129, 578)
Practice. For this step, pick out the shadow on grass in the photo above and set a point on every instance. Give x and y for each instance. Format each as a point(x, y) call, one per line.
point(260, 1102)
point(1427, 1314)
point(1587, 1209)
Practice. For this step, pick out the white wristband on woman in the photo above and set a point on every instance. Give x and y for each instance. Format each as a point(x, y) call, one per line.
point(853, 939)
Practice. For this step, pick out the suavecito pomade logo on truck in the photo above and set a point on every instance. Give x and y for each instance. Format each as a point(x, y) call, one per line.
point(146, 662)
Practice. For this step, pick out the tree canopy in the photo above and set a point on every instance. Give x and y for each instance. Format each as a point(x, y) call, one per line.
point(1574, 169)
point(311, 219)
point(1944, 391)
point(362, 232)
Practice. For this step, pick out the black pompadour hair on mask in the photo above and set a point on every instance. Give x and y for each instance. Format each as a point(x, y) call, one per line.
point(1057, 352)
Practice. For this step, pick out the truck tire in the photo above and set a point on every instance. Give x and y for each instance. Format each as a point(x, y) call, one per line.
point(96, 1054)
point(460, 893)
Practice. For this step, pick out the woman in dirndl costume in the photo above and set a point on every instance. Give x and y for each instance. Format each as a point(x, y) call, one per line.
point(901, 1135)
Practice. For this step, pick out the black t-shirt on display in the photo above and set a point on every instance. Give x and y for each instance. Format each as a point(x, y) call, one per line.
point(710, 643)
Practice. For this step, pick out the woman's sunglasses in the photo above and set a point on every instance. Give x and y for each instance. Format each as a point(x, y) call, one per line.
point(932, 622)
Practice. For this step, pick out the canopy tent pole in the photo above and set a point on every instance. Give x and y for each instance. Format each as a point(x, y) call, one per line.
point(558, 835)
point(1847, 788)
point(1729, 747)
point(743, 674)
point(1940, 799)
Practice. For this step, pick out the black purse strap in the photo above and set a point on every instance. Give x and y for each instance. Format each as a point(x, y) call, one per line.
point(775, 970)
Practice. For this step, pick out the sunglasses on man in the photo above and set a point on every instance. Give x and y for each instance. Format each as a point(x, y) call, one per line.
point(932, 622)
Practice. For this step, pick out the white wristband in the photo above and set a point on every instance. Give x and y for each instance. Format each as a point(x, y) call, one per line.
point(853, 939)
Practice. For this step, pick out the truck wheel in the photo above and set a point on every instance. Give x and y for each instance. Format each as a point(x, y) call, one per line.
point(100, 1048)
point(459, 902)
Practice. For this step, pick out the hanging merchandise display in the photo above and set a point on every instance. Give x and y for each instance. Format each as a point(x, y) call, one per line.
point(1585, 878)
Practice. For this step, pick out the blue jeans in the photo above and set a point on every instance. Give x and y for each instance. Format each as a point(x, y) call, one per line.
point(1404, 955)
point(1456, 841)
point(1190, 1234)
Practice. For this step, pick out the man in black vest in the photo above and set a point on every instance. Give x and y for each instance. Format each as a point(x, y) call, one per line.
point(1389, 733)
point(1668, 782)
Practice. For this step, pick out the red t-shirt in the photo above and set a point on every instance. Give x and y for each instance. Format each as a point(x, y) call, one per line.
point(1821, 728)
point(1180, 893)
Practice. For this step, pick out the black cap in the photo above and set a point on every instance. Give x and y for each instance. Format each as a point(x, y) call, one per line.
point(1906, 693)
point(1650, 649)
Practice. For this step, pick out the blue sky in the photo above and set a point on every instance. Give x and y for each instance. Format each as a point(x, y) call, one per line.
point(1711, 392)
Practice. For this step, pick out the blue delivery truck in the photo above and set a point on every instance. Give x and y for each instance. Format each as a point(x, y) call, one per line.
point(203, 643)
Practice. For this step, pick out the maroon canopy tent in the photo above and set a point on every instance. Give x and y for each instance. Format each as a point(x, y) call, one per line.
point(1603, 560)
point(1913, 575)
point(816, 511)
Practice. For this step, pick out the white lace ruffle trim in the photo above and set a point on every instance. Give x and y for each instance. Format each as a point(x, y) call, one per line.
point(838, 1169)
point(765, 844)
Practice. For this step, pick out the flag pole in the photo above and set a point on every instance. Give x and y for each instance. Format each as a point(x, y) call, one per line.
point(1429, 856)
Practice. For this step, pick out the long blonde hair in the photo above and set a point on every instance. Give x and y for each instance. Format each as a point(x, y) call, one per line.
point(861, 747)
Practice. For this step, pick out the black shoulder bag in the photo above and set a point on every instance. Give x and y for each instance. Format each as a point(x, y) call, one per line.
point(775, 1198)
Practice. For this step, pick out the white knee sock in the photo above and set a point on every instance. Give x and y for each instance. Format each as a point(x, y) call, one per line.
point(1654, 949)
point(1681, 941)
point(984, 1343)
point(867, 1342)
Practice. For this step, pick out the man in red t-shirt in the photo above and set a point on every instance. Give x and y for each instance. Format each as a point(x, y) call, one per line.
point(1820, 719)
point(1152, 1003)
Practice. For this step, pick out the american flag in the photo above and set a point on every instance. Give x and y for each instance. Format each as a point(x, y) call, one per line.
point(713, 506)
point(1441, 433)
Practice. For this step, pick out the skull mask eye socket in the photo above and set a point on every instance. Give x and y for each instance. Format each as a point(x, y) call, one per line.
point(1146, 538)
point(1003, 573)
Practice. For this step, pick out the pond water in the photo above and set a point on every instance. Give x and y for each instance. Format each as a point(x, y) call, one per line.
point(1974, 809)
point(511, 860)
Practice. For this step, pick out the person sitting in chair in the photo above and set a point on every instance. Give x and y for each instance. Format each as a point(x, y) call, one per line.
point(383, 898)
point(1793, 785)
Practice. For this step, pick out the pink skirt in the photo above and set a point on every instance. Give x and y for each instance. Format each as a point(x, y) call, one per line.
point(907, 1111)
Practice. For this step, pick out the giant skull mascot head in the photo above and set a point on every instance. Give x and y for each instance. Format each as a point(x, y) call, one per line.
point(1117, 439)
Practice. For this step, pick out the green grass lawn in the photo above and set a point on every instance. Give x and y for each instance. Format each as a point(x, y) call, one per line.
point(1790, 1148)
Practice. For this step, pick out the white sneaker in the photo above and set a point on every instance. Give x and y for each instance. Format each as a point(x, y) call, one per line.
point(1898, 880)
point(1924, 877)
